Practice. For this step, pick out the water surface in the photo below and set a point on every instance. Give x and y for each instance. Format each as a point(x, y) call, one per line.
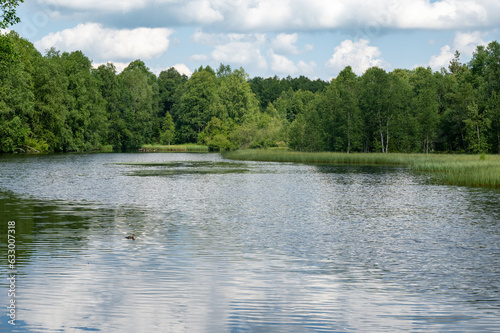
point(226, 246)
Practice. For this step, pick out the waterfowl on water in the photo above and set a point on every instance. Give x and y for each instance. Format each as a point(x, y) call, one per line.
point(130, 237)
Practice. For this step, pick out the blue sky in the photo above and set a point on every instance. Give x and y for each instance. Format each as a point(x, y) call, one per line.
point(315, 38)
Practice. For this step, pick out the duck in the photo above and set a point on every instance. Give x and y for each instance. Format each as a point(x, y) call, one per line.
point(130, 237)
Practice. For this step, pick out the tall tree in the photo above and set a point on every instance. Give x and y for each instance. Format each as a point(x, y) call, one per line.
point(168, 130)
point(51, 103)
point(347, 111)
point(493, 113)
point(140, 104)
point(376, 107)
point(16, 94)
point(87, 114)
point(476, 124)
point(485, 68)
point(169, 84)
point(111, 89)
point(234, 99)
point(405, 130)
point(425, 103)
point(193, 112)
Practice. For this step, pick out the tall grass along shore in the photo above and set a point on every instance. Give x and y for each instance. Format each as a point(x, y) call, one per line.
point(469, 170)
point(190, 148)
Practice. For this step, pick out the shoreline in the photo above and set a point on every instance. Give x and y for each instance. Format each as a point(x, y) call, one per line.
point(463, 170)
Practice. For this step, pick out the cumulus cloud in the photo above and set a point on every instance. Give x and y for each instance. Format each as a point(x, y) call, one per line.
point(200, 12)
point(282, 64)
point(240, 53)
point(257, 51)
point(106, 5)
point(444, 14)
point(306, 68)
point(120, 66)
point(285, 66)
point(242, 49)
point(375, 14)
point(442, 59)
point(104, 43)
point(465, 43)
point(282, 15)
point(285, 44)
point(183, 69)
point(359, 55)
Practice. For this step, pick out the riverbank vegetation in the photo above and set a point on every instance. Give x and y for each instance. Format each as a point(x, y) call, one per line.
point(469, 170)
point(60, 102)
point(186, 148)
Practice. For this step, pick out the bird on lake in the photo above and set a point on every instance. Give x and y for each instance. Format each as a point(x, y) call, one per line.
point(130, 237)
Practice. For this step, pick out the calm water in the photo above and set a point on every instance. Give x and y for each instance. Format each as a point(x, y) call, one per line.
point(226, 246)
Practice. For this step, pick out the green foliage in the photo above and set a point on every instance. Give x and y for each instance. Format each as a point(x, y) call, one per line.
point(193, 111)
point(341, 115)
point(170, 84)
point(139, 92)
point(7, 52)
point(16, 95)
point(190, 148)
point(9, 16)
point(425, 106)
point(58, 102)
point(168, 133)
point(262, 132)
point(234, 98)
point(465, 170)
point(476, 124)
point(270, 89)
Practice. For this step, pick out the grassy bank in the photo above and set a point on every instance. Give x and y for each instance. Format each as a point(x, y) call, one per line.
point(468, 170)
point(190, 148)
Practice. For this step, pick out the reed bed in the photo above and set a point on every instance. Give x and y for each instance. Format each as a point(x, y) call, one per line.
point(468, 170)
point(190, 148)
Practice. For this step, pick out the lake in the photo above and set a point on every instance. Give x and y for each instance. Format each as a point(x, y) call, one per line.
point(229, 246)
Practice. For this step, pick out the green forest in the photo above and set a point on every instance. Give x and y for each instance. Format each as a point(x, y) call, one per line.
point(57, 102)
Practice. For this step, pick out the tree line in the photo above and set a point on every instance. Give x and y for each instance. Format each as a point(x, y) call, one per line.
point(59, 102)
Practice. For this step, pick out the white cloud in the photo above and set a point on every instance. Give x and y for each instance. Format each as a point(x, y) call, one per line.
point(359, 55)
point(199, 11)
point(256, 51)
point(370, 15)
point(282, 64)
point(103, 43)
point(183, 69)
point(285, 66)
point(442, 59)
point(239, 52)
point(284, 44)
point(284, 15)
point(306, 68)
point(465, 43)
point(242, 49)
point(120, 66)
point(106, 5)
point(445, 14)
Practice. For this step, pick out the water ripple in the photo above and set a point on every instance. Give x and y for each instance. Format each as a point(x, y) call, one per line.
point(246, 247)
